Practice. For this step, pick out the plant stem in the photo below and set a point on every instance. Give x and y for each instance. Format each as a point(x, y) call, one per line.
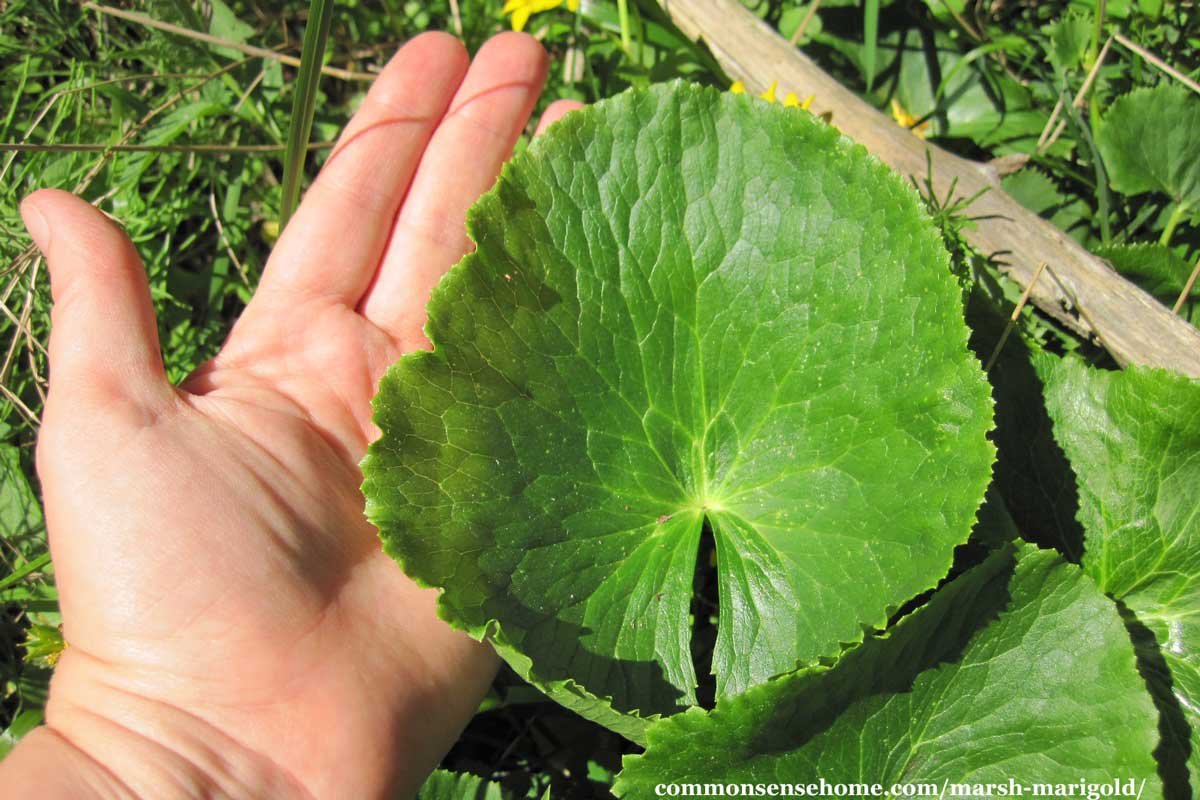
point(870, 40)
point(316, 34)
point(250, 50)
point(1172, 221)
point(1097, 32)
point(623, 17)
point(1187, 288)
point(1094, 57)
point(25, 569)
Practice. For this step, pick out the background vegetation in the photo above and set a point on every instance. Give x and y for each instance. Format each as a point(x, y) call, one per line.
point(183, 142)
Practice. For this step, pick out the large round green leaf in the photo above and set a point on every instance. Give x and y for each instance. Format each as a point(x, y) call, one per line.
point(1133, 439)
point(1023, 673)
point(685, 308)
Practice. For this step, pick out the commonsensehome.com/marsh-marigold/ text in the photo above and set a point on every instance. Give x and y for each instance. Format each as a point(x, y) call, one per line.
point(1085, 790)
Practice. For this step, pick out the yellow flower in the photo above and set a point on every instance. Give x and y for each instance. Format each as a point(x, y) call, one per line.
point(792, 101)
point(521, 10)
point(907, 120)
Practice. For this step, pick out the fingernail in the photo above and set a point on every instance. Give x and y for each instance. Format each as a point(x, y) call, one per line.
point(36, 224)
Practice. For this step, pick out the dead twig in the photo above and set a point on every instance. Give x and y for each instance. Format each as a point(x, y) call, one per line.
point(803, 26)
point(1044, 142)
point(1135, 327)
point(1157, 62)
point(237, 262)
point(22, 147)
point(1012, 320)
point(250, 50)
point(1187, 288)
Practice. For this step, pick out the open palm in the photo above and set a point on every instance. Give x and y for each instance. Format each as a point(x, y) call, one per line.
point(233, 625)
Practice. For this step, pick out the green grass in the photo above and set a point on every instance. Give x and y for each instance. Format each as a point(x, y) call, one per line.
point(198, 182)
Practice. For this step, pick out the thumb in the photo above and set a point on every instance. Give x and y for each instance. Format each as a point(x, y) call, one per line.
point(103, 337)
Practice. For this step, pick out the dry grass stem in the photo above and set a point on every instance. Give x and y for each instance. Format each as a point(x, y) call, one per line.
point(1012, 320)
point(20, 147)
point(803, 26)
point(1044, 143)
point(1187, 287)
point(250, 50)
point(1157, 62)
point(237, 262)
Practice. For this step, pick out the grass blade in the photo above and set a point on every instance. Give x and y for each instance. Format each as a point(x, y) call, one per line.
point(316, 34)
point(14, 577)
point(870, 40)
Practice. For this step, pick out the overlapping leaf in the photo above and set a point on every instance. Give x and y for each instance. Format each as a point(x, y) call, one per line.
point(1156, 268)
point(1149, 143)
point(1133, 439)
point(1022, 673)
point(685, 309)
point(446, 785)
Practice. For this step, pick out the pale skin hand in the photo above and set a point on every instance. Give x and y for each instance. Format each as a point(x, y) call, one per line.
point(235, 629)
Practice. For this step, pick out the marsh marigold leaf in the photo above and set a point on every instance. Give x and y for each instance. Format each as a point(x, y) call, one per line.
point(686, 308)
point(1133, 440)
point(983, 684)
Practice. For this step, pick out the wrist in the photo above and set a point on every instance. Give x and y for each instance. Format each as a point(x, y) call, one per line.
point(45, 764)
point(100, 741)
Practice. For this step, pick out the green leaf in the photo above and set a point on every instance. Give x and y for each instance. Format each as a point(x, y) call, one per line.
point(870, 40)
point(686, 308)
point(1034, 190)
point(1148, 143)
point(21, 523)
point(1037, 192)
point(22, 724)
point(1005, 673)
point(304, 104)
point(935, 80)
point(1133, 439)
point(225, 24)
point(1069, 37)
point(1157, 269)
point(44, 644)
point(446, 785)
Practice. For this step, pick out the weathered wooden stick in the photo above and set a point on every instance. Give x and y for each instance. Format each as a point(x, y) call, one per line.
point(1087, 294)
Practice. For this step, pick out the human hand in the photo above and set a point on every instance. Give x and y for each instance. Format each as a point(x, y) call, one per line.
point(234, 628)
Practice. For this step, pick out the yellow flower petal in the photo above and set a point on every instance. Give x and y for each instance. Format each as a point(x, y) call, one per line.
point(737, 88)
point(572, 5)
point(807, 102)
point(901, 116)
point(791, 101)
point(521, 10)
point(907, 120)
point(769, 94)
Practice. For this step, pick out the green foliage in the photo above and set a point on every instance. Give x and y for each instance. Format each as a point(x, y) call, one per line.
point(446, 785)
point(1133, 439)
point(312, 57)
point(1147, 142)
point(980, 685)
point(631, 356)
point(1146, 138)
point(20, 512)
point(1158, 269)
point(982, 79)
point(1069, 40)
point(870, 40)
